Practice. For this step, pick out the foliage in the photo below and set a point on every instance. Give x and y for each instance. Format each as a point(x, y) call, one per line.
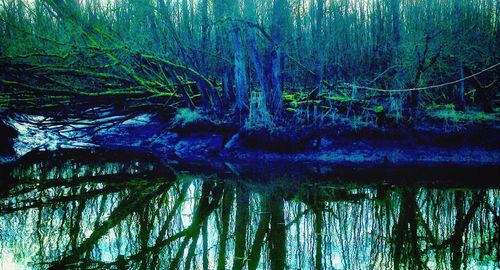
point(379, 109)
point(162, 54)
point(463, 116)
point(186, 116)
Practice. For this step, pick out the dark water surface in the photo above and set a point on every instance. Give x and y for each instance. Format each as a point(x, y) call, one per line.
point(118, 211)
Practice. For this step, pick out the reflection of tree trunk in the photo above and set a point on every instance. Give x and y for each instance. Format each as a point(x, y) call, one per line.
point(277, 236)
point(205, 207)
point(318, 227)
point(462, 223)
point(456, 240)
point(39, 233)
point(204, 231)
point(201, 213)
point(399, 238)
point(166, 224)
point(406, 232)
point(411, 203)
point(75, 229)
point(119, 213)
point(192, 249)
point(240, 229)
point(180, 252)
point(226, 212)
point(262, 230)
point(144, 233)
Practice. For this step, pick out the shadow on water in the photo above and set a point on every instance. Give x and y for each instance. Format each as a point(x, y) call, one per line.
point(122, 210)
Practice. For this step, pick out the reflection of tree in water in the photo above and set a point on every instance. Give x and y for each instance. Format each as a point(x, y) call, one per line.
point(134, 215)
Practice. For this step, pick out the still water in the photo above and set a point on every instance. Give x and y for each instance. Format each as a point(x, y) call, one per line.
point(116, 211)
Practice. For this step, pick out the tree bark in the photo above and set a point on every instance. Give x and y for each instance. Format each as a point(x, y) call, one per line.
point(278, 25)
point(240, 73)
point(461, 86)
point(257, 62)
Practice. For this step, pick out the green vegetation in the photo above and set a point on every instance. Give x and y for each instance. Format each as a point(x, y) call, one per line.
point(186, 116)
point(312, 61)
point(463, 116)
point(379, 109)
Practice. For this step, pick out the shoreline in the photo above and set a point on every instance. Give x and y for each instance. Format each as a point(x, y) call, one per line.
point(470, 145)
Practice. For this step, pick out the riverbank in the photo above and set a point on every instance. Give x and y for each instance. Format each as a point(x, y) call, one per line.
point(435, 143)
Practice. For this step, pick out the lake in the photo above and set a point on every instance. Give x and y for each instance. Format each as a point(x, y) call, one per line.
point(119, 210)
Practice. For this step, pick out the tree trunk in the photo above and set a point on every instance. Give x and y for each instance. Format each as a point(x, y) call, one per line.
point(481, 90)
point(185, 18)
point(461, 86)
point(240, 73)
point(319, 43)
point(276, 82)
point(204, 31)
point(256, 60)
point(278, 25)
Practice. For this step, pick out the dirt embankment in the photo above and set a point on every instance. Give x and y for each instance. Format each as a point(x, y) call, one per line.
point(202, 140)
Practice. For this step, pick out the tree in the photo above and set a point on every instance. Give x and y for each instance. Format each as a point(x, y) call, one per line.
point(279, 25)
point(211, 54)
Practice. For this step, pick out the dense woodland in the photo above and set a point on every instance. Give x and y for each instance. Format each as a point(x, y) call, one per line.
point(73, 72)
point(260, 62)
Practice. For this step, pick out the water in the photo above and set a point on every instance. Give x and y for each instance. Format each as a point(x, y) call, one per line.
point(123, 211)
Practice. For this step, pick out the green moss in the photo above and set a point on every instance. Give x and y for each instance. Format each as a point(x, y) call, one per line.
point(435, 106)
point(340, 98)
point(289, 96)
point(379, 109)
point(459, 116)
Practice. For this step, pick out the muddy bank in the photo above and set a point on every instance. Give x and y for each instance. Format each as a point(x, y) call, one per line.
point(208, 142)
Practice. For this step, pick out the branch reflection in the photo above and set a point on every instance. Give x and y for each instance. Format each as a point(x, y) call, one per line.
point(138, 214)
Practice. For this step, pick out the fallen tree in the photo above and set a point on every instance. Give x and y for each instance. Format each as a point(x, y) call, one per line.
point(96, 66)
